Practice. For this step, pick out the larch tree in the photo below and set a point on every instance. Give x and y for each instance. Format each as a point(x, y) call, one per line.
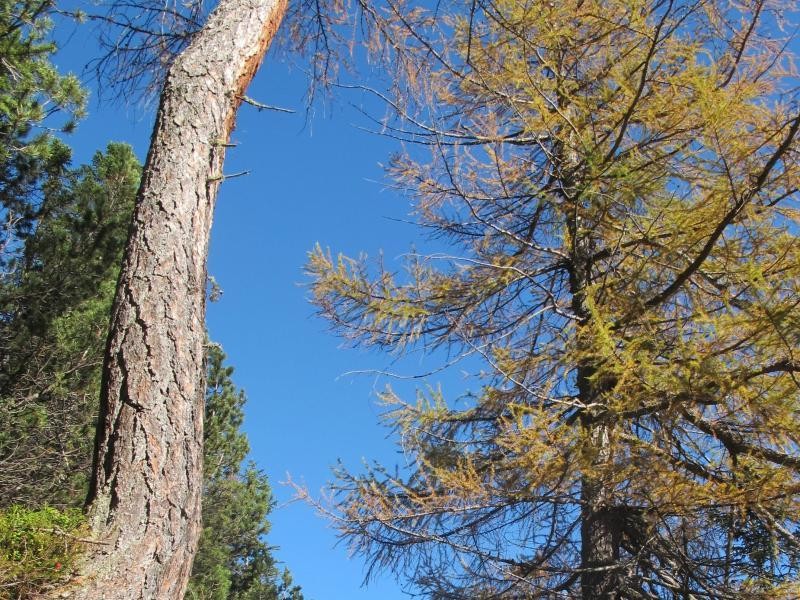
point(144, 498)
point(618, 184)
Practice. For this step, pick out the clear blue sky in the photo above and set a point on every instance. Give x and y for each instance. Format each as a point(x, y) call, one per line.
point(316, 182)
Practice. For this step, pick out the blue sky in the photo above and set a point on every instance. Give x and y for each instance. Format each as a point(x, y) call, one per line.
point(311, 181)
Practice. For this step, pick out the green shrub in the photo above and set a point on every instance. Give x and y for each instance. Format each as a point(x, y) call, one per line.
point(38, 549)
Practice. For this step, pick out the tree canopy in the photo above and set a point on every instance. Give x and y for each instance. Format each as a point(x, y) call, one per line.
point(32, 92)
point(618, 184)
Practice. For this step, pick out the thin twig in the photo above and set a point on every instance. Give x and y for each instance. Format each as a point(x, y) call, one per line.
point(261, 106)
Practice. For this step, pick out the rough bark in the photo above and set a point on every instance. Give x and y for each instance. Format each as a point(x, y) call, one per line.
point(144, 501)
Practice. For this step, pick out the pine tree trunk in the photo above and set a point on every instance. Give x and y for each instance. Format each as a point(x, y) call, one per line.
point(144, 501)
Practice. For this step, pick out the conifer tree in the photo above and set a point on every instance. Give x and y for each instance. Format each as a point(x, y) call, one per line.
point(233, 561)
point(55, 322)
point(57, 312)
point(207, 71)
point(151, 400)
point(618, 182)
point(32, 92)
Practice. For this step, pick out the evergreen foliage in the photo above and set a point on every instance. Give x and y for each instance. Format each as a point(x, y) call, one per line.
point(55, 320)
point(32, 165)
point(233, 562)
point(31, 92)
point(619, 184)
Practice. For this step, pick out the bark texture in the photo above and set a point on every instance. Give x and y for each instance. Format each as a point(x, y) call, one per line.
point(144, 502)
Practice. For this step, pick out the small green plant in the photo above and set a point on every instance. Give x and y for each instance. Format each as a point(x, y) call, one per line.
point(38, 549)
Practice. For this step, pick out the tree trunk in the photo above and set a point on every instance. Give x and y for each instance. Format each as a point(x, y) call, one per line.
point(144, 501)
point(600, 529)
point(600, 526)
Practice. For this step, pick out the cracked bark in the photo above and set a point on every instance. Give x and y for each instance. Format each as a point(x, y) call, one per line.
point(144, 501)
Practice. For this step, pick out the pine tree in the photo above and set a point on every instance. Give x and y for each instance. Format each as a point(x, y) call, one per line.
point(233, 561)
point(32, 92)
point(55, 322)
point(57, 311)
point(619, 184)
point(151, 399)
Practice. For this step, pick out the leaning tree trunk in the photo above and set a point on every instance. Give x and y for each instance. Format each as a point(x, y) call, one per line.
point(144, 501)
